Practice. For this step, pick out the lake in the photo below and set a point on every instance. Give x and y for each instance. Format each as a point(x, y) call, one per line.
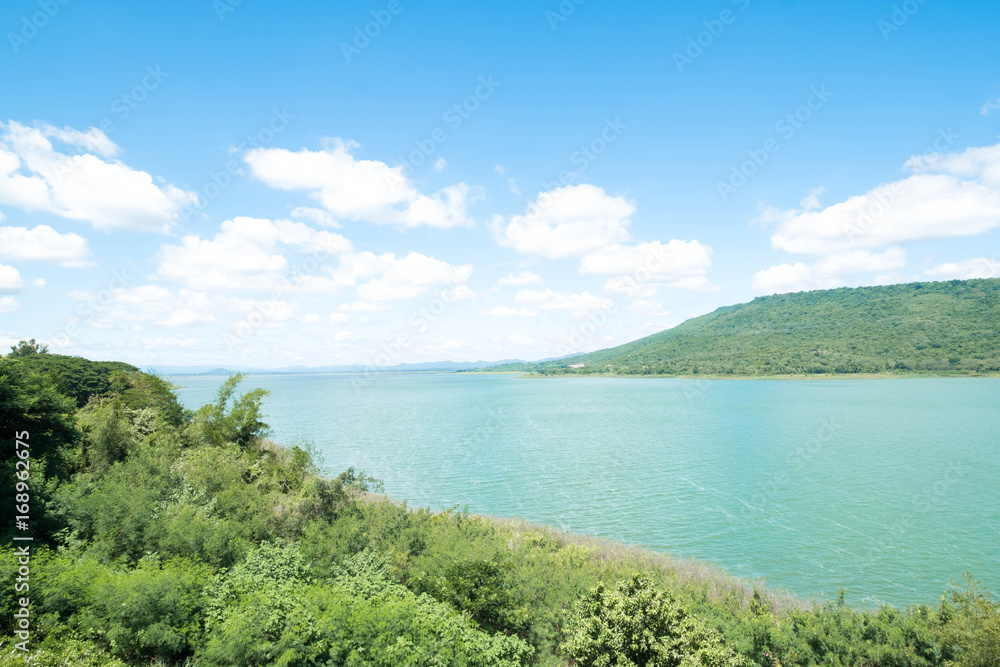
point(888, 488)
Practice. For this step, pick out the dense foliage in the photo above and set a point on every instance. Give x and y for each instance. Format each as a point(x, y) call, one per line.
point(75, 377)
point(941, 328)
point(173, 537)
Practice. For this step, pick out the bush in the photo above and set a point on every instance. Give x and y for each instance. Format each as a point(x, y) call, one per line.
point(268, 612)
point(483, 589)
point(638, 625)
point(152, 611)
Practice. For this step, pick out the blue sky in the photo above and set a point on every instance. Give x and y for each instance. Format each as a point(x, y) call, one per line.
point(252, 183)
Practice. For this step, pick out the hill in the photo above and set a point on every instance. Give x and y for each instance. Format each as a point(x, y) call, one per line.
point(939, 327)
point(76, 377)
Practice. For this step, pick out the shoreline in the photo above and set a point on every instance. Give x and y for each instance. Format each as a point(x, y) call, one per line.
point(606, 550)
point(531, 375)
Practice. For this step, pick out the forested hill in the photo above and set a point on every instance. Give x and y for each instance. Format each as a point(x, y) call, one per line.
point(940, 327)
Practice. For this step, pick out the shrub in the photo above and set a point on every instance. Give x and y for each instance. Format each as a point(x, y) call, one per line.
point(639, 625)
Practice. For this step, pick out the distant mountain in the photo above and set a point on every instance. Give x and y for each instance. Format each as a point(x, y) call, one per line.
point(427, 366)
point(940, 327)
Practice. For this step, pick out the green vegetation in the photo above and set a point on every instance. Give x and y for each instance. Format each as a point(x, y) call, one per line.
point(943, 328)
point(170, 537)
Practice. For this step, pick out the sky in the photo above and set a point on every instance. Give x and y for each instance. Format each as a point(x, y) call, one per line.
point(230, 182)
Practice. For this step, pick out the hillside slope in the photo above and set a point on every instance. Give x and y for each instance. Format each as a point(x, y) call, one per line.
point(940, 327)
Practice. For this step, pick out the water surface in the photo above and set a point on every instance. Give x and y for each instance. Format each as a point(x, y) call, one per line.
point(888, 488)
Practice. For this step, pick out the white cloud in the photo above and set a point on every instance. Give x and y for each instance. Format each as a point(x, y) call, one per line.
point(860, 261)
point(990, 106)
point(549, 300)
point(245, 254)
point(412, 275)
point(8, 304)
point(507, 311)
point(43, 244)
point(315, 215)
point(982, 164)
point(39, 283)
point(91, 140)
point(360, 189)
point(511, 183)
point(440, 164)
point(523, 278)
point(83, 186)
point(569, 221)
point(159, 343)
point(629, 286)
point(827, 273)
point(362, 307)
point(151, 305)
point(783, 278)
point(339, 318)
point(10, 279)
point(681, 264)
point(945, 195)
point(980, 267)
point(460, 293)
point(648, 306)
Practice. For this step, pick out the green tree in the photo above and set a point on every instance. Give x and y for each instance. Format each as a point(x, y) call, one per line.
point(482, 588)
point(637, 625)
point(75, 377)
point(110, 435)
point(34, 412)
point(972, 626)
point(27, 348)
point(241, 424)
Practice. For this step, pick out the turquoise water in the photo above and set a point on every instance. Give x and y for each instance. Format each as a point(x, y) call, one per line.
point(889, 488)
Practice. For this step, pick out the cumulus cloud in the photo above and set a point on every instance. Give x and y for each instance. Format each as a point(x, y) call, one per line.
point(827, 273)
point(10, 279)
point(507, 311)
point(981, 267)
point(43, 244)
point(860, 261)
point(8, 304)
point(682, 264)
point(783, 278)
point(314, 215)
point(81, 185)
point(409, 276)
point(245, 254)
point(269, 313)
point(567, 222)
point(945, 195)
point(362, 307)
point(522, 278)
point(151, 305)
point(549, 300)
point(356, 189)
